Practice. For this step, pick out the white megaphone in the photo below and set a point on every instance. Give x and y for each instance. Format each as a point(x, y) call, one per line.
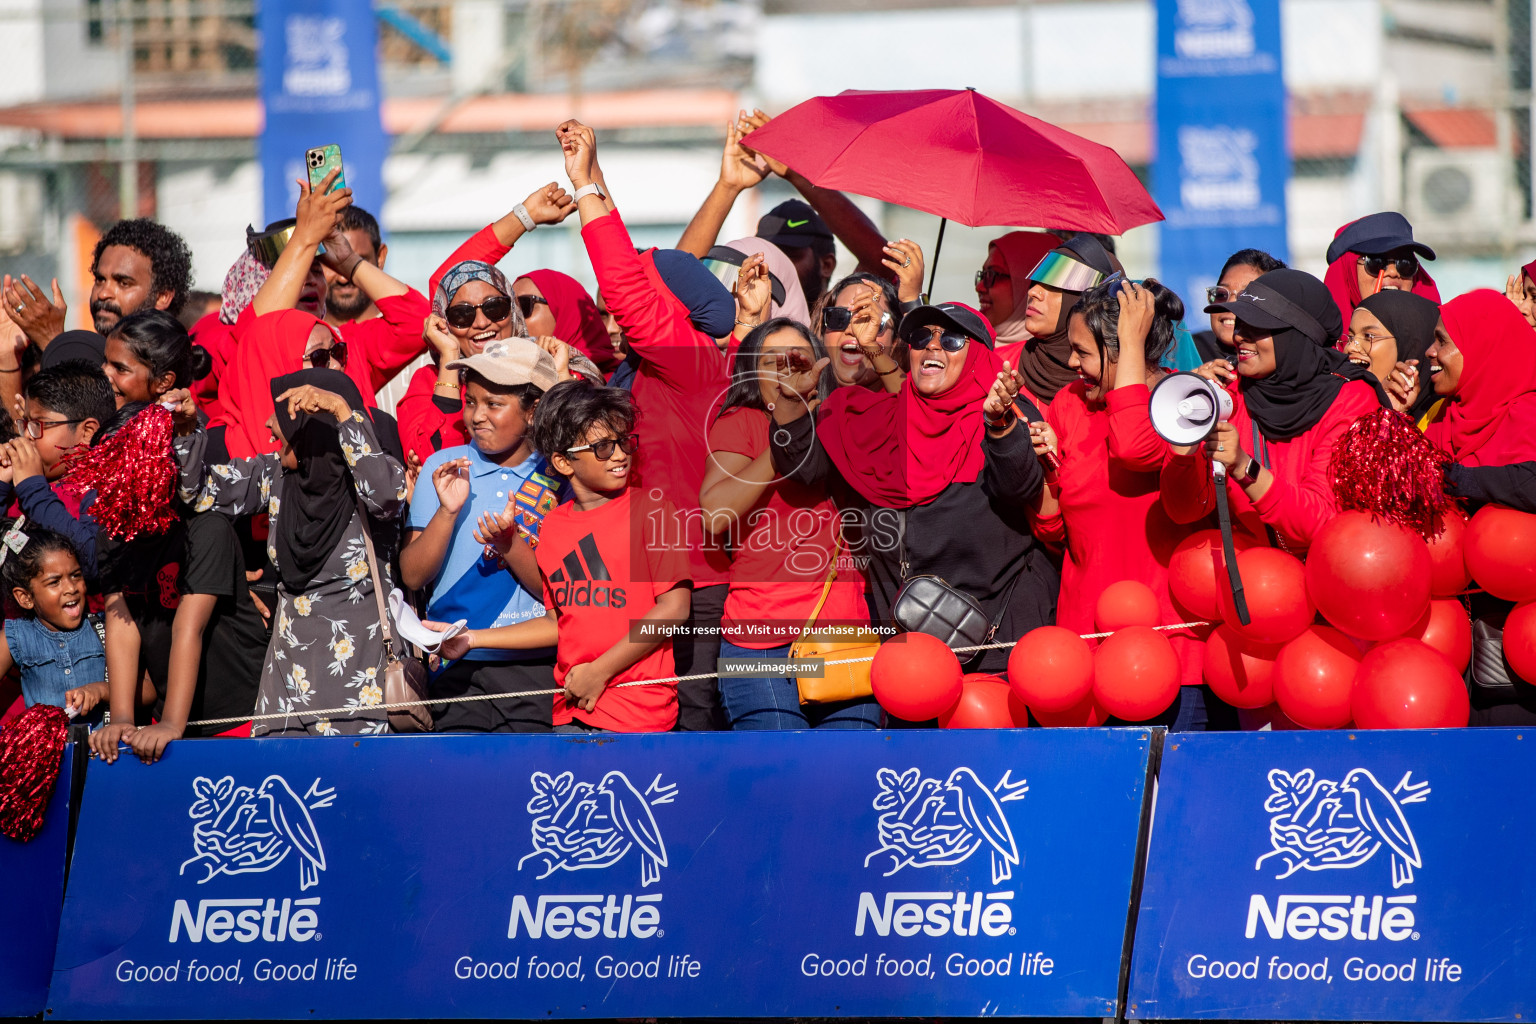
point(1185, 410)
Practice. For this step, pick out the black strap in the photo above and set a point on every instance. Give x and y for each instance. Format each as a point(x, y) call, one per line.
point(1224, 518)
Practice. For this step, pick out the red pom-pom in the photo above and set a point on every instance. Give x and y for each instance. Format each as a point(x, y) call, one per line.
point(133, 475)
point(1385, 466)
point(31, 752)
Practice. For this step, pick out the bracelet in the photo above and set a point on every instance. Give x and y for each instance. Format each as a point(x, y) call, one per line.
point(11, 369)
point(444, 384)
point(887, 373)
point(345, 269)
point(748, 323)
point(521, 213)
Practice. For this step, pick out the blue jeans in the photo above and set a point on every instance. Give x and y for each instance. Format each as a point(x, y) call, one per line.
point(773, 702)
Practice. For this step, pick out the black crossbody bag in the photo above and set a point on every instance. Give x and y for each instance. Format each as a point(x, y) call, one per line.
point(928, 604)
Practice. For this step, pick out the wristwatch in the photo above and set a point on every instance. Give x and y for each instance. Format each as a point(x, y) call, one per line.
point(592, 188)
point(521, 213)
point(1250, 474)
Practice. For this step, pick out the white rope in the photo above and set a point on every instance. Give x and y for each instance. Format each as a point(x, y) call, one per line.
point(348, 711)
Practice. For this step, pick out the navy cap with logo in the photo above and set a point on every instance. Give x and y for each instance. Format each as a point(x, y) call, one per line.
point(956, 316)
point(1377, 235)
point(794, 225)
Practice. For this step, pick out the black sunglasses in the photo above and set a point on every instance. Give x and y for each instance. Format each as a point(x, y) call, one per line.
point(462, 314)
point(321, 358)
point(838, 318)
point(1406, 266)
point(949, 340)
point(526, 304)
point(986, 277)
point(603, 450)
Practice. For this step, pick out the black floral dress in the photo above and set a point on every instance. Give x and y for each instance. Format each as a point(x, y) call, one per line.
point(327, 653)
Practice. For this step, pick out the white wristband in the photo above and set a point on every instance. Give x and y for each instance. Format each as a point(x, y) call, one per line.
point(521, 213)
point(590, 189)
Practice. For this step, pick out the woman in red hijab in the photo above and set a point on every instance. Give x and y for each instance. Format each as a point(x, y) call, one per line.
point(1373, 253)
point(276, 344)
point(940, 473)
point(1485, 363)
point(555, 305)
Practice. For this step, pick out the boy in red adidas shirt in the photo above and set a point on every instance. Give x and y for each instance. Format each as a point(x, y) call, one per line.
point(614, 565)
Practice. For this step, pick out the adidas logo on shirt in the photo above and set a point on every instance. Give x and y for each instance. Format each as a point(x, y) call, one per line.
point(583, 580)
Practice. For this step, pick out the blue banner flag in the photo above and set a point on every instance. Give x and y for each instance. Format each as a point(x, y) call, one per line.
point(1342, 875)
point(910, 873)
point(1223, 157)
point(34, 896)
point(319, 86)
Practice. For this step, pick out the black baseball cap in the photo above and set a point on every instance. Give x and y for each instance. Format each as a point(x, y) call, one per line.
point(956, 316)
point(794, 225)
point(1279, 301)
point(1377, 235)
point(86, 346)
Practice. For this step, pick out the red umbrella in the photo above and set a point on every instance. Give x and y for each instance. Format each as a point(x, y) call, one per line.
point(959, 155)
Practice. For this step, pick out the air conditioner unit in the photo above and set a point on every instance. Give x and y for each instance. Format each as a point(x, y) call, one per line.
point(1458, 192)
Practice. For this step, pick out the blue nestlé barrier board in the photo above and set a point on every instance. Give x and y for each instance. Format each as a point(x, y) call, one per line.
point(768, 874)
point(1341, 876)
point(32, 874)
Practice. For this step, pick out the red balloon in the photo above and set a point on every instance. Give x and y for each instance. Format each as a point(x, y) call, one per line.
point(1448, 574)
point(1370, 579)
point(1314, 676)
point(1017, 711)
point(1085, 712)
point(1446, 628)
point(984, 704)
point(1126, 603)
point(1197, 570)
point(1240, 671)
point(1406, 684)
point(915, 676)
point(1051, 669)
point(1520, 640)
point(1135, 673)
point(1500, 549)
point(1275, 586)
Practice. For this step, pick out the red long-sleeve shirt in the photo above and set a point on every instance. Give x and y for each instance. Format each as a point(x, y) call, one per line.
point(679, 385)
point(1299, 500)
point(380, 348)
point(1111, 523)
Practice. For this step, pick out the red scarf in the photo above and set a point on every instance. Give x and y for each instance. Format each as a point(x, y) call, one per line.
point(577, 321)
point(1492, 419)
point(273, 346)
point(902, 450)
point(1343, 281)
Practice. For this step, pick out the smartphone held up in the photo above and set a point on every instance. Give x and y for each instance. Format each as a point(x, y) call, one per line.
point(320, 161)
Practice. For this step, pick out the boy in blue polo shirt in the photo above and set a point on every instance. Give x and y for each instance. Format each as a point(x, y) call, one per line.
point(502, 386)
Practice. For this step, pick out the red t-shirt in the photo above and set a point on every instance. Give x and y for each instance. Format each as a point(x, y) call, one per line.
point(602, 571)
point(782, 553)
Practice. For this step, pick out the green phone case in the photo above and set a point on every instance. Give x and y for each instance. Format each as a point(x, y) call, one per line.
point(320, 162)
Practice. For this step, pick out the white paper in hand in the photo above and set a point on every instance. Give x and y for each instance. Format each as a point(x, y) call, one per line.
point(410, 628)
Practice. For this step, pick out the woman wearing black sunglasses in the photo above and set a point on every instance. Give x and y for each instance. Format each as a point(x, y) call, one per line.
point(941, 473)
point(1374, 253)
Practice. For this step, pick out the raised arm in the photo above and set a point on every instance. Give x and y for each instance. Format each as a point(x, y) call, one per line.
point(739, 171)
point(316, 220)
point(549, 204)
